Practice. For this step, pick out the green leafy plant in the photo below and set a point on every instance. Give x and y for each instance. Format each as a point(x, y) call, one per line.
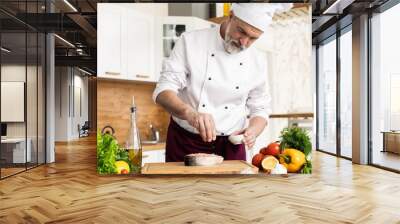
point(107, 149)
point(297, 138)
point(122, 154)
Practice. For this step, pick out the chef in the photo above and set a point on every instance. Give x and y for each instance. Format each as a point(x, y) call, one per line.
point(214, 84)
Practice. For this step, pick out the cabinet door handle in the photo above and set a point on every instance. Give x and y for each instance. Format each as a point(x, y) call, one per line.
point(113, 73)
point(143, 76)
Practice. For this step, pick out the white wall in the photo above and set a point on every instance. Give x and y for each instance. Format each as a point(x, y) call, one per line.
point(17, 73)
point(14, 73)
point(78, 117)
point(288, 47)
point(69, 82)
point(33, 127)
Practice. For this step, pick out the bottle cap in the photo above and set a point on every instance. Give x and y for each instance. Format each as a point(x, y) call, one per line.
point(133, 107)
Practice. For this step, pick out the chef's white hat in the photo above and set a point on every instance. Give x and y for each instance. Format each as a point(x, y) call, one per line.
point(258, 15)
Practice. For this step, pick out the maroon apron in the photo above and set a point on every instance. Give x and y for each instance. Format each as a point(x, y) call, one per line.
point(181, 142)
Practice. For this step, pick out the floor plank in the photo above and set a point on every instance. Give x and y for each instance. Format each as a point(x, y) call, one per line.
point(70, 191)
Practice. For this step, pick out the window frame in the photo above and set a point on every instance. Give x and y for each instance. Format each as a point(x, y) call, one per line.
point(334, 37)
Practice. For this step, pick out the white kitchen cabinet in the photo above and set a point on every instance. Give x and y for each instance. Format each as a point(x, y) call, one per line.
point(125, 43)
point(153, 156)
point(140, 46)
point(110, 41)
point(132, 44)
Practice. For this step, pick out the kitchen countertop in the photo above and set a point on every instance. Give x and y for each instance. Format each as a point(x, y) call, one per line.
point(226, 167)
point(153, 147)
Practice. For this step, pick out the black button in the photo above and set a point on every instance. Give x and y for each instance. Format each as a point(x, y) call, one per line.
point(212, 55)
point(222, 134)
point(237, 87)
point(204, 105)
point(209, 78)
point(226, 107)
point(241, 63)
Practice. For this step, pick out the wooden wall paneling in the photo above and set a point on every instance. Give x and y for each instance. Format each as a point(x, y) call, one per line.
point(114, 100)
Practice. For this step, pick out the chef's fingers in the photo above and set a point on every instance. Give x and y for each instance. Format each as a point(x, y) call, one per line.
point(249, 139)
point(249, 145)
point(214, 132)
point(202, 129)
point(195, 124)
point(208, 127)
point(248, 132)
point(246, 139)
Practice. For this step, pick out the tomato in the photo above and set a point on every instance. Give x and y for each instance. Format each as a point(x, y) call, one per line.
point(272, 149)
point(256, 161)
point(124, 171)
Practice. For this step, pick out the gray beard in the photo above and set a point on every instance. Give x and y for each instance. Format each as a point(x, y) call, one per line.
point(229, 45)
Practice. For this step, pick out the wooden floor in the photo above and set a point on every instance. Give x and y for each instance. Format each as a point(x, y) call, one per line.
point(5, 172)
point(70, 191)
point(10, 171)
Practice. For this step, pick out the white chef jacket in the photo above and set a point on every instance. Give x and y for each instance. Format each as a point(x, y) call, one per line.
point(230, 87)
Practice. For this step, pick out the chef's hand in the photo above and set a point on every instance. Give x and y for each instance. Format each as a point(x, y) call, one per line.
point(204, 123)
point(249, 135)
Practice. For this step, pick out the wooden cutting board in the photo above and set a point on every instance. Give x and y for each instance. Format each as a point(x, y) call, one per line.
point(226, 167)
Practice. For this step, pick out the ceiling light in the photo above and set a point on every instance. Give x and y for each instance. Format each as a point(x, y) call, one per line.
point(84, 71)
point(337, 7)
point(79, 51)
point(64, 40)
point(5, 50)
point(70, 5)
point(333, 6)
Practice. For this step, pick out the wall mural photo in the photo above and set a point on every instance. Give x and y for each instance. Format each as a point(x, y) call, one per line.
point(194, 94)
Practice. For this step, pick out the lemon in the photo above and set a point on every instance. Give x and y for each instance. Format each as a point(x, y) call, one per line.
point(269, 163)
point(122, 165)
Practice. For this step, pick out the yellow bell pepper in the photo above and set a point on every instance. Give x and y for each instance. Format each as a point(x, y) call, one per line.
point(292, 159)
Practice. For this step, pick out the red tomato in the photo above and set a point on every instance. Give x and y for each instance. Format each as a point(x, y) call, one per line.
point(124, 171)
point(272, 149)
point(256, 161)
